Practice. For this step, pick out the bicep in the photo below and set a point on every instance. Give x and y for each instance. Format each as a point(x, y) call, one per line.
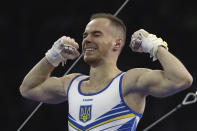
point(50, 91)
point(155, 83)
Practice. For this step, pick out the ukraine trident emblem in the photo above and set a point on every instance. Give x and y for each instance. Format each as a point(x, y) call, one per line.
point(85, 113)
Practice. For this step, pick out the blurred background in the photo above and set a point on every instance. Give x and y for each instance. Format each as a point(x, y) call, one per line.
point(28, 29)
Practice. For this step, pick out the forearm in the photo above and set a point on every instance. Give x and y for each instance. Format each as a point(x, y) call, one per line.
point(174, 70)
point(38, 74)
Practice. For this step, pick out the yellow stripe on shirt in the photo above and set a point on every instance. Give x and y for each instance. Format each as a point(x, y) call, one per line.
point(74, 126)
point(110, 120)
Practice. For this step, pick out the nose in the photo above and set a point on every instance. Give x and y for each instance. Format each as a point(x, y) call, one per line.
point(87, 39)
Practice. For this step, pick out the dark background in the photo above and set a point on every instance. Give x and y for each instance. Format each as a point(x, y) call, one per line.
point(28, 29)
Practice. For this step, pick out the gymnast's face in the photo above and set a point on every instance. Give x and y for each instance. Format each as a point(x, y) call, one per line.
point(98, 41)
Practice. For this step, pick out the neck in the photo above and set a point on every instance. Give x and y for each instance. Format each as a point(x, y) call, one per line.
point(103, 73)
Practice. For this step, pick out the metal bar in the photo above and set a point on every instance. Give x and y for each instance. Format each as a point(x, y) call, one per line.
point(163, 117)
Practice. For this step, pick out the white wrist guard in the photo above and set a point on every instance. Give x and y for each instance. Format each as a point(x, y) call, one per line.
point(151, 43)
point(53, 55)
point(63, 49)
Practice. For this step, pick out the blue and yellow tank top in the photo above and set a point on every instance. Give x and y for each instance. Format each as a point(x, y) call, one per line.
point(101, 111)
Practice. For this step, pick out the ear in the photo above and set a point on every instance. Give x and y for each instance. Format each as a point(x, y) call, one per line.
point(118, 44)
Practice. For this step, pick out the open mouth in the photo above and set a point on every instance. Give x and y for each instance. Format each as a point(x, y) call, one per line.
point(89, 50)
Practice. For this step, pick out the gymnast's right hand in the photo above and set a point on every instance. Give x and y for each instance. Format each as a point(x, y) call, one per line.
point(63, 49)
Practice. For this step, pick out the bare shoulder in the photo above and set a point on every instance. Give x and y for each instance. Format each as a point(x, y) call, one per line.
point(134, 96)
point(70, 76)
point(67, 79)
point(132, 76)
point(135, 73)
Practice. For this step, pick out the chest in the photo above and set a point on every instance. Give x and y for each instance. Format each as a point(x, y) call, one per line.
point(98, 99)
point(90, 89)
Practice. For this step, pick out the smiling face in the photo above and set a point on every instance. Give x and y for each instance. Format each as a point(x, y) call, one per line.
point(98, 41)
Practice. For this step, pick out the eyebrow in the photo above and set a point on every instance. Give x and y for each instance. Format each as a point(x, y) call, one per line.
point(96, 31)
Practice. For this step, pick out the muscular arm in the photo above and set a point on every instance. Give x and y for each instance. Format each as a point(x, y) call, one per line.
point(173, 78)
point(39, 86)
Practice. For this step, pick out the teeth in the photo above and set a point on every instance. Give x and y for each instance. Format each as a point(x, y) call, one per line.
point(89, 49)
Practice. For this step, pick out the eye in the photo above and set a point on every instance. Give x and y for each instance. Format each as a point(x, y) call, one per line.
point(97, 34)
point(84, 35)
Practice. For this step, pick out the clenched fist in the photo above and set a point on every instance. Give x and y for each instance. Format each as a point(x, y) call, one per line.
point(142, 41)
point(64, 48)
point(136, 41)
point(69, 47)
